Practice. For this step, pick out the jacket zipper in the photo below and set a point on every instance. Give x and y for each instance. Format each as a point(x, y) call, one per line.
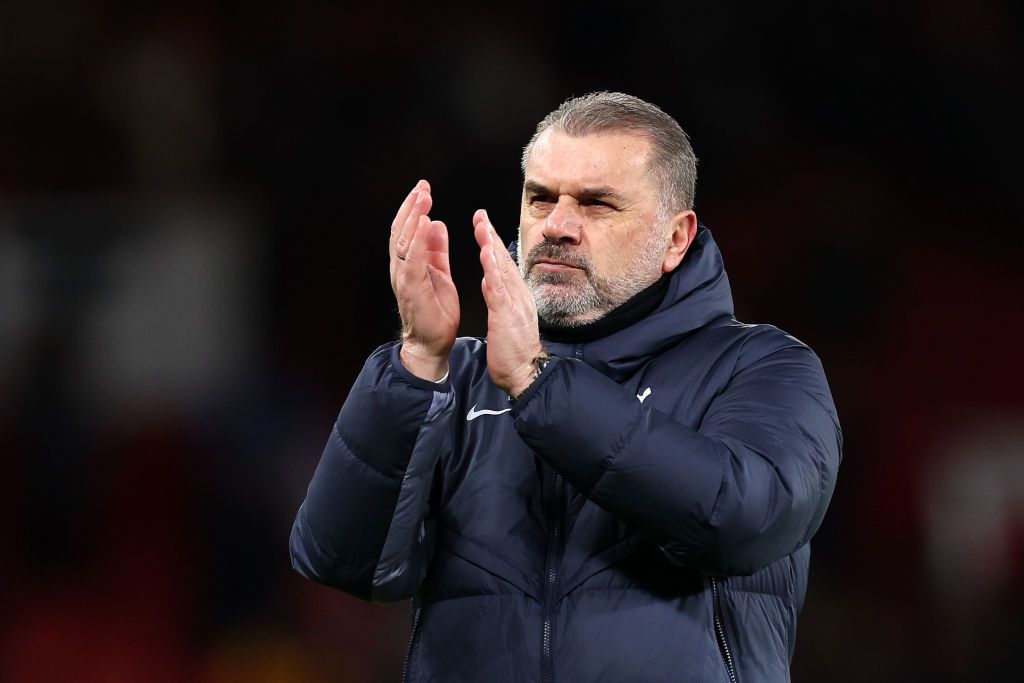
point(556, 515)
point(723, 644)
point(551, 579)
point(412, 641)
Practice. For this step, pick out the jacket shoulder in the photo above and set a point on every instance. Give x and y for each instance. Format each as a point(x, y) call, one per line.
point(769, 355)
point(742, 345)
point(758, 342)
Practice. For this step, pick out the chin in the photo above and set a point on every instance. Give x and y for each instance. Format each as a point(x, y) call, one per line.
point(564, 310)
point(571, 320)
point(568, 278)
point(556, 294)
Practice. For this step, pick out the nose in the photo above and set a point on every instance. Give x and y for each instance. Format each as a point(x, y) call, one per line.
point(564, 224)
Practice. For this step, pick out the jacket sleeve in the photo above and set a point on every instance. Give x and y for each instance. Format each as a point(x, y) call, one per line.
point(364, 526)
point(746, 488)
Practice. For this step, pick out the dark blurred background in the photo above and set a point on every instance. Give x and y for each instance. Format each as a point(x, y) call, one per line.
point(194, 207)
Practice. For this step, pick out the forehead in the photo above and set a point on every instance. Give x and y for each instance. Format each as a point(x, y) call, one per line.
point(614, 159)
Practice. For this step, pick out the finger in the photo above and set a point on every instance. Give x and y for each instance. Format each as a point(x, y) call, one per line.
point(502, 255)
point(500, 251)
point(411, 270)
point(481, 228)
point(496, 294)
point(436, 237)
point(417, 253)
point(490, 297)
point(403, 213)
point(486, 234)
point(420, 207)
point(401, 222)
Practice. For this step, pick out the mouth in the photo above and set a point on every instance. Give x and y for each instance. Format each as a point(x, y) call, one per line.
point(554, 266)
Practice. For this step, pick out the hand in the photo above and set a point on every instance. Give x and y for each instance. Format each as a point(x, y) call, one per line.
point(513, 338)
point(421, 278)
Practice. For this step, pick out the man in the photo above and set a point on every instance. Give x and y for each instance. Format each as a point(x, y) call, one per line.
point(620, 483)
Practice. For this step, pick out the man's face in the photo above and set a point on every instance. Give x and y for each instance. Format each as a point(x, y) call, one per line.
point(589, 232)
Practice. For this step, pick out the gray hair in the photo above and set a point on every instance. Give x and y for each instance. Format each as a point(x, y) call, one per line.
point(672, 163)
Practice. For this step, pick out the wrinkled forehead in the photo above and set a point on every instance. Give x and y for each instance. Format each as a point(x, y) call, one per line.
point(615, 158)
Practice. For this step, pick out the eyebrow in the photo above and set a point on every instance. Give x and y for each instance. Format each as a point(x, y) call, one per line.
point(599, 192)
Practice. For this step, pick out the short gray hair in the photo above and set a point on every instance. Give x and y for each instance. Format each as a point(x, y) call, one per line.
point(673, 163)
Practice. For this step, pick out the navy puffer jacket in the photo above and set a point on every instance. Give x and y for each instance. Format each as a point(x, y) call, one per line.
point(642, 513)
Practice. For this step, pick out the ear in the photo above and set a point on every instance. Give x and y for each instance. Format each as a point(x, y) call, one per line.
point(684, 231)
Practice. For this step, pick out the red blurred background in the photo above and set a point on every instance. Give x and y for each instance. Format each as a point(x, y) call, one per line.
point(194, 205)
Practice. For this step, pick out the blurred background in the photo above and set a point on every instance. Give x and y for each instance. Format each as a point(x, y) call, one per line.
point(194, 207)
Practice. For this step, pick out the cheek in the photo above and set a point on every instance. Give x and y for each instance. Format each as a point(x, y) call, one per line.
point(530, 232)
point(614, 254)
point(614, 251)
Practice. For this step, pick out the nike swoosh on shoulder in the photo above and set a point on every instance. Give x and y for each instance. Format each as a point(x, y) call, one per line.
point(474, 413)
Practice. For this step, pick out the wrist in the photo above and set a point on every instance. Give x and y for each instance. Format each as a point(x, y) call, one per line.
point(423, 363)
point(529, 376)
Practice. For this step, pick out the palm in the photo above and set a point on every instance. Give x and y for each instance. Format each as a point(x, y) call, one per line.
point(429, 303)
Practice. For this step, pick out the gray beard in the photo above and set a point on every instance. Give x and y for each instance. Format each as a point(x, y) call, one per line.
point(569, 300)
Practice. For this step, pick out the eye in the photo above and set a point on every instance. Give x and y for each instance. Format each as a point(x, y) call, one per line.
point(534, 200)
point(596, 203)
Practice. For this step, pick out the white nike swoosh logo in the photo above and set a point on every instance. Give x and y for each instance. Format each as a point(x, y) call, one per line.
point(474, 413)
point(647, 392)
